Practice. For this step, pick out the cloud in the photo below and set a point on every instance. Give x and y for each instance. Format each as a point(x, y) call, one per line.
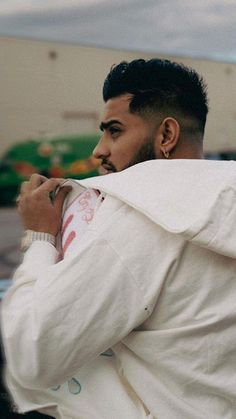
point(8, 7)
point(200, 29)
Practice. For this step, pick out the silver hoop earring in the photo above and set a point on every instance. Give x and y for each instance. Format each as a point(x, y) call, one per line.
point(166, 153)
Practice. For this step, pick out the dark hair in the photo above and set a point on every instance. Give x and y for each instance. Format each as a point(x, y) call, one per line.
point(159, 86)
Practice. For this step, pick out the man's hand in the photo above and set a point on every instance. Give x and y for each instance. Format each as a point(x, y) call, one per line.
point(36, 207)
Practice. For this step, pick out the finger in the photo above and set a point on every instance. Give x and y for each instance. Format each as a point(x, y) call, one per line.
point(17, 199)
point(36, 180)
point(25, 187)
point(60, 197)
point(17, 203)
point(50, 185)
point(33, 183)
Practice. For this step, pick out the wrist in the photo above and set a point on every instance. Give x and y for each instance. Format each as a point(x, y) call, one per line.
point(30, 236)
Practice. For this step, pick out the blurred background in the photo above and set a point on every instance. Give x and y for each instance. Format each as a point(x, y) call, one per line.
point(54, 57)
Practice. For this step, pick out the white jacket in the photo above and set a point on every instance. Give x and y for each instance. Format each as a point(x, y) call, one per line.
point(154, 279)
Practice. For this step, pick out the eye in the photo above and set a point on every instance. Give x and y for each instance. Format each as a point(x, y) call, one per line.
point(114, 131)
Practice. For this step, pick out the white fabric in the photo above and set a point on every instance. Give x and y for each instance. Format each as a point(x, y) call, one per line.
point(78, 214)
point(160, 291)
point(97, 390)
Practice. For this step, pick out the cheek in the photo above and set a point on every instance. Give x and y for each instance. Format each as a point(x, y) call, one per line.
point(123, 158)
point(118, 148)
point(125, 149)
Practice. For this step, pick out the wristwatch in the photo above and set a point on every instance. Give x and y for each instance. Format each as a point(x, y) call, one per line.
point(30, 236)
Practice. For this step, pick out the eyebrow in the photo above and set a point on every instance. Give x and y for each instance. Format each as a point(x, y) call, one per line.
point(105, 125)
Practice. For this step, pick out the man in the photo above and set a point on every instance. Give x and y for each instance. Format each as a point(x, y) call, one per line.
point(154, 275)
point(153, 109)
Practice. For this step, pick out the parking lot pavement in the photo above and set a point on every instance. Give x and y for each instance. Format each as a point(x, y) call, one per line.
point(11, 231)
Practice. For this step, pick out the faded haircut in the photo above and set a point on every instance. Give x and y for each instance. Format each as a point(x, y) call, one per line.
point(160, 86)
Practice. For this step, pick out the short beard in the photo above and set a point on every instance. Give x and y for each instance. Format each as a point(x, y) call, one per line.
point(146, 152)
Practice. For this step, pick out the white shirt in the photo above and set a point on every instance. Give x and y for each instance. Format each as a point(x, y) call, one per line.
point(160, 292)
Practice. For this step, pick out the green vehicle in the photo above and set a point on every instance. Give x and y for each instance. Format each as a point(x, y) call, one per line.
point(64, 156)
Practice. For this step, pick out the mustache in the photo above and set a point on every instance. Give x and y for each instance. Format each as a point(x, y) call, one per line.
point(109, 163)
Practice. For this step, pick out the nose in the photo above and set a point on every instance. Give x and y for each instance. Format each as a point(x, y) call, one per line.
point(101, 150)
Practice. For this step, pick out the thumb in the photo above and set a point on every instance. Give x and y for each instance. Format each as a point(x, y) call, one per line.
point(60, 197)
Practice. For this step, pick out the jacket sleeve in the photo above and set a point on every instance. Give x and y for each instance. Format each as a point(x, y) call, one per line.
point(56, 317)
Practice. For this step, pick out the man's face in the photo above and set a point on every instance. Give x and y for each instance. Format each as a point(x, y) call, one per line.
point(127, 138)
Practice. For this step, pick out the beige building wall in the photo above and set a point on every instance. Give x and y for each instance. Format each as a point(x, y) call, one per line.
point(50, 88)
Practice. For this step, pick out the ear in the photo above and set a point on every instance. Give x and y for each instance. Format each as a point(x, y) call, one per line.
point(167, 137)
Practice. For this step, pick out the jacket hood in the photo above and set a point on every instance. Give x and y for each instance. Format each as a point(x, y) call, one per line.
point(194, 198)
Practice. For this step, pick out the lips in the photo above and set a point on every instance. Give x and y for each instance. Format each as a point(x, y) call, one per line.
point(106, 168)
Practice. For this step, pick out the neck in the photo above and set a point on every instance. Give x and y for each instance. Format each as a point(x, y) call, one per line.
point(190, 149)
point(187, 154)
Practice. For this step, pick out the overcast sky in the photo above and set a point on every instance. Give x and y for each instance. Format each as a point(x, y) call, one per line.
point(195, 28)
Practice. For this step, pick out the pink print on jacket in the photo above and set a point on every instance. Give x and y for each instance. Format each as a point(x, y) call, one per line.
point(78, 215)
